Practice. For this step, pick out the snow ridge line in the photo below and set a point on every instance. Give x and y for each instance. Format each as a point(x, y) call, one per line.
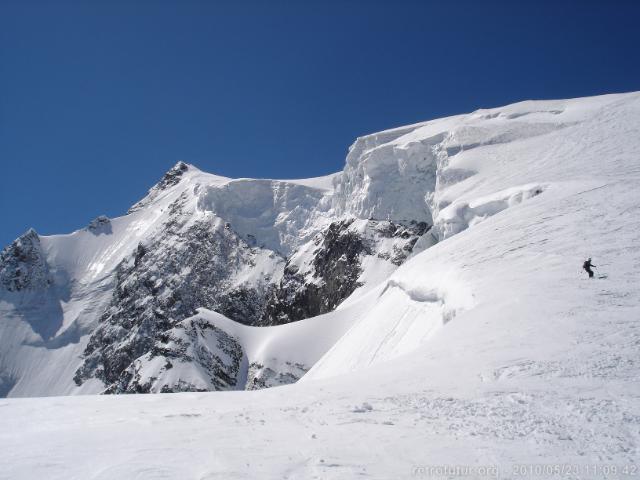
point(460, 215)
point(450, 303)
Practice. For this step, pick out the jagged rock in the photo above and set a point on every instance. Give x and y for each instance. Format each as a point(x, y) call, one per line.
point(100, 225)
point(260, 376)
point(23, 265)
point(335, 268)
point(208, 357)
point(171, 178)
point(334, 271)
point(162, 283)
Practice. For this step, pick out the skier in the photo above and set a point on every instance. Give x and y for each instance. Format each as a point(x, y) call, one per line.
point(587, 266)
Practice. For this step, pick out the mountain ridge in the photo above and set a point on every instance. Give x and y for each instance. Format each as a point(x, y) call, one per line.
point(114, 304)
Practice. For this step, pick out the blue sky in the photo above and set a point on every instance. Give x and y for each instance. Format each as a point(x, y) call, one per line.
point(98, 99)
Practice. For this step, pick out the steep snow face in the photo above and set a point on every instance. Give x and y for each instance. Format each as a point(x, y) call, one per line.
point(273, 214)
point(461, 215)
point(501, 220)
point(406, 315)
point(111, 304)
point(177, 174)
point(407, 173)
point(386, 180)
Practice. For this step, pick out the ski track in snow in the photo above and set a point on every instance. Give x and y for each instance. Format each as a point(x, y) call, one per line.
point(490, 348)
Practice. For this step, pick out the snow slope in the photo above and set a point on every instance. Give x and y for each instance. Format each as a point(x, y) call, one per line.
point(490, 348)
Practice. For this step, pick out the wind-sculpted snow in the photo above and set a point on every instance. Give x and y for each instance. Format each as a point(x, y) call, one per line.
point(390, 181)
point(405, 317)
point(402, 173)
point(468, 137)
point(461, 215)
point(274, 214)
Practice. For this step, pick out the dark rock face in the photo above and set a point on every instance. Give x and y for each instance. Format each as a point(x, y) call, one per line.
point(7, 382)
point(336, 264)
point(163, 283)
point(208, 358)
point(100, 225)
point(260, 376)
point(171, 178)
point(196, 342)
point(336, 267)
point(23, 265)
point(407, 236)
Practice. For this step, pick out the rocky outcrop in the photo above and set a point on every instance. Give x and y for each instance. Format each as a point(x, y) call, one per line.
point(197, 355)
point(192, 264)
point(260, 376)
point(334, 272)
point(23, 265)
point(171, 178)
point(207, 357)
point(319, 286)
point(100, 225)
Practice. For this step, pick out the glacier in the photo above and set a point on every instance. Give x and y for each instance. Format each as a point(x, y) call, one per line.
point(460, 329)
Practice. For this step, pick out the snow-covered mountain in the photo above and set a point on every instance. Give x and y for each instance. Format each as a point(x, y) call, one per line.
point(110, 308)
point(428, 301)
point(123, 305)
